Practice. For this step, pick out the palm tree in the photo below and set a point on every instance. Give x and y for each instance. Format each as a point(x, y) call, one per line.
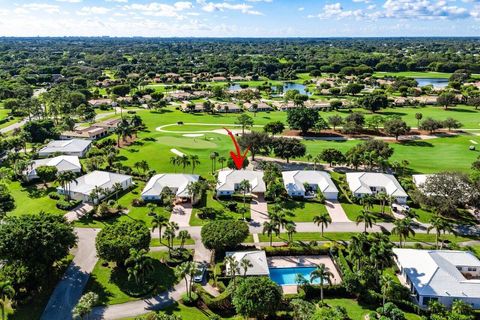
point(139, 265)
point(367, 201)
point(403, 228)
point(440, 224)
point(174, 161)
point(323, 220)
point(144, 166)
point(194, 189)
point(158, 222)
point(65, 179)
point(233, 268)
point(357, 249)
point(245, 264)
point(6, 293)
point(323, 274)
point(367, 218)
point(183, 235)
point(386, 283)
point(95, 194)
point(186, 271)
point(270, 229)
point(383, 198)
point(245, 187)
point(213, 157)
point(185, 161)
point(291, 229)
point(117, 188)
point(222, 161)
point(194, 161)
point(316, 160)
point(169, 234)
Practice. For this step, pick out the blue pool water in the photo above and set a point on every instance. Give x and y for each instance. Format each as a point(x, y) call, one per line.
point(286, 276)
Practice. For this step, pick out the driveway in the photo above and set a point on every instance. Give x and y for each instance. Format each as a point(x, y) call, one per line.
point(336, 212)
point(81, 210)
point(181, 214)
point(258, 211)
point(70, 288)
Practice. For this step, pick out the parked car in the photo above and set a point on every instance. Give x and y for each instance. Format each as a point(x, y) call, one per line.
point(200, 272)
point(398, 208)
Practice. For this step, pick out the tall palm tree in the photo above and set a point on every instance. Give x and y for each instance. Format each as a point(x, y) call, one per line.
point(139, 265)
point(213, 157)
point(174, 161)
point(367, 218)
point(169, 234)
point(194, 189)
point(386, 283)
point(245, 187)
point(233, 268)
point(186, 271)
point(291, 229)
point(95, 194)
point(194, 161)
point(383, 198)
point(117, 188)
point(158, 222)
point(185, 161)
point(367, 201)
point(222, 161)
point(245, 264)
point(356, 249)
point(6, 293)
point(183, 235)
point(323, 220)
point(403, 228)
point(65, 179)
point(439, 224)
point(270, 229)
point(323, 274)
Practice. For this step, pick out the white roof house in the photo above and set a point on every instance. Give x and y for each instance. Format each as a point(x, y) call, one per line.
point(258, 260)
point(294, 182)
point(73, 147)
point(440, 275)
point(229, 180)
point(83, 186)
point(177, 183)
point(62, 163)
point(363, 183)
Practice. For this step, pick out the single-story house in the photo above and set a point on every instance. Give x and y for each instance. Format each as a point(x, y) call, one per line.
point(82, 188)
point(371, 183)
point(62, 163)
point(94, 132)
point(176, 182)
point(72, 147)
point(99, 102)
point(229, 181)
point(261, 106)
point(192, 107)
point(296, 182)
point(258, 261)
point(228, 108)
point(440, 275)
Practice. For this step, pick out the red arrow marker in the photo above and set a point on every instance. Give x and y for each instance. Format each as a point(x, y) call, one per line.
point(238, 158)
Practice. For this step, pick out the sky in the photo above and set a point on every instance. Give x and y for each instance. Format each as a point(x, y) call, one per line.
point(240, 18)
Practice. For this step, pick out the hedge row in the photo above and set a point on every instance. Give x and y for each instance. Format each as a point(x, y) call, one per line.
point(221, 304)
point(293, 251)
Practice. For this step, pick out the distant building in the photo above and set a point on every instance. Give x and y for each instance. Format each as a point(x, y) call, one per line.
point(371, 183)
point(440, 275)
point(62, 163)
point(307, 183)
point(73, 147)
point(229, 180)
point(177, 183)
point(228, 108)
point(82, 188)
point(94, 132)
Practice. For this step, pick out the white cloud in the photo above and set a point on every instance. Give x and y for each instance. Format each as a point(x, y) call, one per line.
point(157, 9)
point(86, 11)
point(222, 6)
point(118, 1)
point(301, 9)
point(44, 7)
point(70, 1)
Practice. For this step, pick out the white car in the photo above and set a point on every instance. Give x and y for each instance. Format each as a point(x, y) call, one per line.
point(398, 208)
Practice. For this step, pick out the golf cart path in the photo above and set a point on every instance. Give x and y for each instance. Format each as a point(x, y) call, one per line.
point(70, 288)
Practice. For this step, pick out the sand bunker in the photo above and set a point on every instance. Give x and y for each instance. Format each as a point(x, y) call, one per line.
point(178, 153)
point(193, 135)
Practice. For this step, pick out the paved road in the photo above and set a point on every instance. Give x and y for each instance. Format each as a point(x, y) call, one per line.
point(71, 286)
point(13, 126)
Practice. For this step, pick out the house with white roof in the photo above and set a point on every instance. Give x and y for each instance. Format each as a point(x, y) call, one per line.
point(371, 183)
point(73, 147)
point(176, 182)
point(440, 275)
point(62, 163)
point(258, 261)
point(306, 183)
point(82, 188)
point(228, 181)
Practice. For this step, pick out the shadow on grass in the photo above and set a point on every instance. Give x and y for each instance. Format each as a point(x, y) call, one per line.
point(417, 143)
point(35, 193)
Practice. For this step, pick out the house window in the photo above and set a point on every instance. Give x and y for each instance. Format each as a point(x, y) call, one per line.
point(472, 269)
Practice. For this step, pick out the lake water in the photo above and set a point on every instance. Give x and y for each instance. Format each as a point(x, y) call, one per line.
point(286, 276)
point(435, 82)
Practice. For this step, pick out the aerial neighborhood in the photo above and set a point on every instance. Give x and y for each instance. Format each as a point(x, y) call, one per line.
point(310, 179)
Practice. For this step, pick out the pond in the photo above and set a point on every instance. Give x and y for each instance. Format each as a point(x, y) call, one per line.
point(437, 83)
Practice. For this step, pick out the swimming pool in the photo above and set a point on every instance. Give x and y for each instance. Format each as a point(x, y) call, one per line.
point(286, 276)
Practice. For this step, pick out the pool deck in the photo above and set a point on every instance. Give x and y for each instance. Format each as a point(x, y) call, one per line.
point(303, 261)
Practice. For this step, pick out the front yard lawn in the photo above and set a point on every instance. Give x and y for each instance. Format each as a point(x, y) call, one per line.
point(112, 286)
point(303, 210)
point(225, 214)
point(30, 199)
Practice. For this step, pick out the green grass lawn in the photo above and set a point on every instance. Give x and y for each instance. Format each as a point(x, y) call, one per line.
point(413, 74)
point(356, 311)
point(226, 214)
point(303, 211)
point(346, 236)
point(32, 200)
point(112, 286)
